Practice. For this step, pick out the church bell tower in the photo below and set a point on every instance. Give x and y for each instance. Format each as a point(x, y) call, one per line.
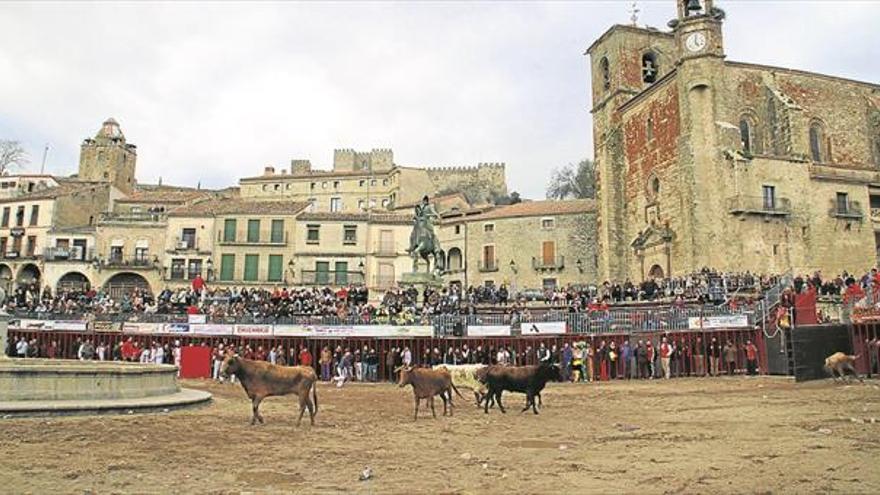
point(108, 158)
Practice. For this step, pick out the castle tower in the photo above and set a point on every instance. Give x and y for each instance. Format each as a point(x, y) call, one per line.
point(107, 157)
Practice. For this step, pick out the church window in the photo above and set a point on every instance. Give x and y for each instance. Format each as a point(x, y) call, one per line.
point(649, 68)
point(745, 134)
point(649, 128)
point(606, 73)
point(817, 143)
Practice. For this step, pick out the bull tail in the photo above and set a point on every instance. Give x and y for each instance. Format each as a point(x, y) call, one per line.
point(456, 390)
point(315, 395)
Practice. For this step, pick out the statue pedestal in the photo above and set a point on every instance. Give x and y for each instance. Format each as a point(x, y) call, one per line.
point(421, 280)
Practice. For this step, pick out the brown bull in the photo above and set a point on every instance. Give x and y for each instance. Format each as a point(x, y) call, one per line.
point(428, 383)
point(838, 365)
point(261, 379)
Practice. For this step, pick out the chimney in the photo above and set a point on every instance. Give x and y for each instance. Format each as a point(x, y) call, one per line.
point(269, 170)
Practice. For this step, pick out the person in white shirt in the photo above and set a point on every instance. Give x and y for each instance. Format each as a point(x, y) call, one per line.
point(101, 350)
point(273, 355)
point(407, 356)
point(145, 355)
point(176, 353)
point(21, 348)
point(158, 354)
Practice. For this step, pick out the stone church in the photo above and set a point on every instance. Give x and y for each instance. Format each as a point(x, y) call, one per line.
point(707, 162)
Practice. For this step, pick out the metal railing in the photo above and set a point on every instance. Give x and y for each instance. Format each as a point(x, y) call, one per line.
point(144, 217)
point(758, 205)
point(488, 265)
point(846, 209)
point(130, 262)
point(68, 254)
point(554, 263)
point(338, 278)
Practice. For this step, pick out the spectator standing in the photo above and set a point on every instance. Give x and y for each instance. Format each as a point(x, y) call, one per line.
point(567, 356)
point(305, 357)
point(751, 358)
point(325, 362)
point(217, 357)
point(729, 351)
point(714, 356)
point(665, 356)
point(612, 359)
point(629, 360)
point(699, 353)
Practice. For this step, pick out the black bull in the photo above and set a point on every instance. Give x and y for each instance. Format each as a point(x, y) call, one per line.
point(529, 380)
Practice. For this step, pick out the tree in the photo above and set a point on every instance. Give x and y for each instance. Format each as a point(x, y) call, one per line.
point(11, 155)
point(573, 182)
point(506, 199)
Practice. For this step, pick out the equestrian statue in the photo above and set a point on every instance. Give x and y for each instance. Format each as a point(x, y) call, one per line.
point(422, 241)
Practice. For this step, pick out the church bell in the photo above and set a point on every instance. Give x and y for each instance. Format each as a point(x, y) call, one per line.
point(693, 6)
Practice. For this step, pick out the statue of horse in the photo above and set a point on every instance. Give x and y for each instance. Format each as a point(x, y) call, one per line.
point(425, 245)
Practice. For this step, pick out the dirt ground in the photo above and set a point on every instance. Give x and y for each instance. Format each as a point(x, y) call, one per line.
point(727, 435)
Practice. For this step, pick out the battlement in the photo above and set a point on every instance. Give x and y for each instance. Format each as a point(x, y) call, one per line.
point(300, 167)
point(467, 168)
point(349, 160)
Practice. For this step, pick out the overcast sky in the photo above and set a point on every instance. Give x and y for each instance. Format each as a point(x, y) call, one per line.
point(214, 92)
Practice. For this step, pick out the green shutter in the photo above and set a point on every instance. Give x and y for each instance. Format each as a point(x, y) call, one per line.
point(253, 231)
point(341, 273)
point(227, 267)
point(278, 231)
point(251, 267)
point(322, 272)
point(229, 228)
point(275, 267)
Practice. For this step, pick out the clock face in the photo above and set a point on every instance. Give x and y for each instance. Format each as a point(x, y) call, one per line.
point(695, 42)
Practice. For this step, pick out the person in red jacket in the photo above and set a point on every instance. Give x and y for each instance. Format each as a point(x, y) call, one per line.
point(751, 358)
point(128, 350)
point(198, 284)
point(305, 357)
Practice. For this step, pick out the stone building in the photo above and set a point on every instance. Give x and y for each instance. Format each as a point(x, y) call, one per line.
point(108, 157)
point(529, 245)
point(705, 162)
point(362, 181)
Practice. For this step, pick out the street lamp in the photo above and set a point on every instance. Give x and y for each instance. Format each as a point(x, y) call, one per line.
point(209, 265)
point(580, 265)
point(513, 267)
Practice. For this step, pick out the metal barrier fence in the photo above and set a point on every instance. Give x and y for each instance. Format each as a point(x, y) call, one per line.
point(616, 320)
point(692, 360)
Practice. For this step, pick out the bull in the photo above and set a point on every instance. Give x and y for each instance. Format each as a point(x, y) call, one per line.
point(469, 376)
point(261, 379)
point(838, 365)
point(428, 383)
point(529, 380)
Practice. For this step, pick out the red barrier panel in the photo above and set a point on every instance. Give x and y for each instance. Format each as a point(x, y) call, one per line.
point(195, 362)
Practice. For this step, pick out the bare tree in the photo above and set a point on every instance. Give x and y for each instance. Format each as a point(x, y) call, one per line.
point(11, 155)
point(573, 182)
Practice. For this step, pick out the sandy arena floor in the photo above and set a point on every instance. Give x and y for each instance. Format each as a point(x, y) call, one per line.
point(729, 435)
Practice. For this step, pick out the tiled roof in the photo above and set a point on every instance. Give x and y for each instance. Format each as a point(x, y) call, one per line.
point(434, 199)
point(164, 195)
point(382, 217)
point(538, 208)
point(63, 189)
point(230, 206)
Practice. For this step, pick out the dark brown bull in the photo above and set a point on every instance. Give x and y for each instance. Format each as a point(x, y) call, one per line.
point(427, 383)
point(481, 395)
point(529, 380)
point(838, 365)
point(261, 379)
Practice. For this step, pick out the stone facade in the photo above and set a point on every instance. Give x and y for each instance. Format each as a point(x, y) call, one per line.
point(361, 181)
point(108, 157)
point(530, 245)
point(706, 162)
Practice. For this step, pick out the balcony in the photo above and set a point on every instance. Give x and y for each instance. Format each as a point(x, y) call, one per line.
point(313, 277)
point(74, 253)
point(134, 263)
point(543, 264)
point(847, 210)
point(259, 242)
point(131, 218)
point(187, 246)
point(181, 273)
point(385, 251)
point(487, 266)
point(757, 205)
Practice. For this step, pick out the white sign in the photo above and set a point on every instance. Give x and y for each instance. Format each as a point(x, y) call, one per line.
point(25, 324)
point(70, 325)
point(345, 331)
point(543, 328)
point(253, 330)
point(198, 318)
point(175, 328)
point(210, 329)
point(731, 321)
point(488, 330)
point(140, 328)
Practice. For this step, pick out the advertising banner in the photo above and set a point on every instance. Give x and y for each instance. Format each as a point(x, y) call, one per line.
point(176, 328)
point(729, 321)
point(253, 330)
point(141, 328)
point(349, 331)
point(543, 328)
point(488, 330)
point(210, 329)
point(104, 326)
point(198, 318)
point(25, 324)
point(70, 325)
